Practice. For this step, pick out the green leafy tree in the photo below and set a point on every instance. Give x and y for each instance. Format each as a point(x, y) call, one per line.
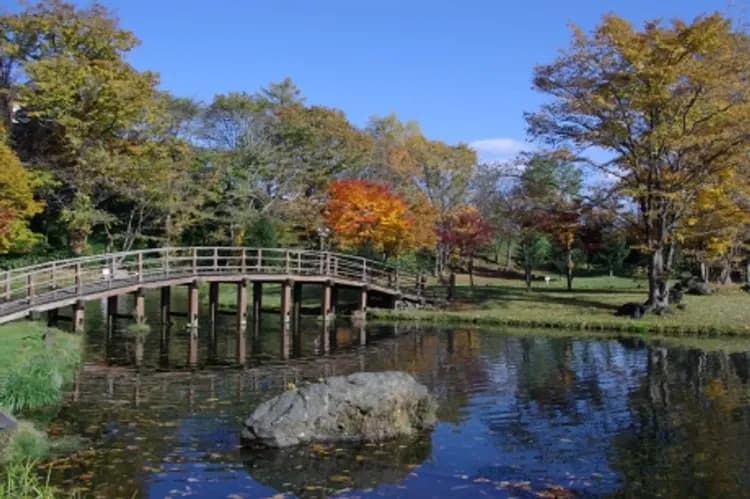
point(533, 249)
point(75, 89)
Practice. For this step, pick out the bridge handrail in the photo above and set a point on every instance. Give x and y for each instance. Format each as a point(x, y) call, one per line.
point(76, 275)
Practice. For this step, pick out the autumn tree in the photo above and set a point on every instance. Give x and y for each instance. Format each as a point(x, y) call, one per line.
point(670, 103)
point(465, 233)
point(17, 203)
point(365, 215)
point(717, 230)
point(314, 145)
point(443, 172)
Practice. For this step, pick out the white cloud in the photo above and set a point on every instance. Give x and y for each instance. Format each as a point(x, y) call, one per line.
point(499, 148)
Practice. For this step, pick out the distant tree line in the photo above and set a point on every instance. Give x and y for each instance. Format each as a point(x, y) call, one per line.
point(95, 156)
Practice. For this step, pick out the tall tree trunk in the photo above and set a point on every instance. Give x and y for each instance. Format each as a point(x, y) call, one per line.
point(747, 274)
point(658, 292)
point(569, 269)
point(527, 276)
point(704, 271)
point(508, 255)
point(452, 286)
point(725, 277)
point(471, 272)
point(436, 270)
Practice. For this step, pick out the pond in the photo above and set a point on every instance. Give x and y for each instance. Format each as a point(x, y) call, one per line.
point(521, 415)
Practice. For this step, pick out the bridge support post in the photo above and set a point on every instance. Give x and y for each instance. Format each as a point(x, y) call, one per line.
point(213, 301)
point(166, 304)
point(363, 301)
point(79, 316)
point(193, 308)
point(296, 303)
point(192, 324)
point(241, 322)
point(325, 337)
point(139, 310)
point(111, 312)
point(328, 304)
point(257, 307)
point(362, 330)
point(286, 318)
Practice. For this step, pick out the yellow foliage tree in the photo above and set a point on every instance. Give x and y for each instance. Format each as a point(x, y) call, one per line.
point(718, 228)
point(17, 203)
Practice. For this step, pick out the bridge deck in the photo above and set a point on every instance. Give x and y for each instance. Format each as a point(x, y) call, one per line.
point(57, 284)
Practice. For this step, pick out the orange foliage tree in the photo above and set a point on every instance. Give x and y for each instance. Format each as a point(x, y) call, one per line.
point(366, 214)
point(465, 232)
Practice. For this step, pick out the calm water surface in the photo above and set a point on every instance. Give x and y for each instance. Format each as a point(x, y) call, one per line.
point(520, 416)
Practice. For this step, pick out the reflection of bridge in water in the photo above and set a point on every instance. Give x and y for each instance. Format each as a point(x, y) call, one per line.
point(52, 286)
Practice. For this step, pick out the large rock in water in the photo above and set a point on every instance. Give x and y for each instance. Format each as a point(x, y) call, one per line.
point(359, 407)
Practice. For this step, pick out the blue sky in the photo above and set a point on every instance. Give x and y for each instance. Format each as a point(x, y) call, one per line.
point(460, 68)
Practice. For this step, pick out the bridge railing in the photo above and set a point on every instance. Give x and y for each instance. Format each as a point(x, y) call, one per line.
point(79, 276)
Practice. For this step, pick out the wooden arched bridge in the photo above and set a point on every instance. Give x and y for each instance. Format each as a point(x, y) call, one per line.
point(54, 285)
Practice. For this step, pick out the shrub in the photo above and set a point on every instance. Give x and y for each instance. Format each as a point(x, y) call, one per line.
point(25, 443)
point(139, 329)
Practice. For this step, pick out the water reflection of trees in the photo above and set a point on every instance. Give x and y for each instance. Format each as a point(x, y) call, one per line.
point(151, 427)
point(318, 470)
point(618, 415)
point(690, 431)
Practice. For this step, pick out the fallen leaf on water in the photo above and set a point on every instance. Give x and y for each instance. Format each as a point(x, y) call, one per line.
point(340, 478)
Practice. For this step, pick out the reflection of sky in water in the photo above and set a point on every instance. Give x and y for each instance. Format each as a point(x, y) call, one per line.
point(550, 411)
point(503, 437)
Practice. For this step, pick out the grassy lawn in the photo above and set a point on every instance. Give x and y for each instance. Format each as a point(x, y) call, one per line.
point(591, 305)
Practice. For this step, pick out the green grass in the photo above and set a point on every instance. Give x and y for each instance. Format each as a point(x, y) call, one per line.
point(34, 370)
point(590, 306)
point(36, 363)
point(21, 481)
